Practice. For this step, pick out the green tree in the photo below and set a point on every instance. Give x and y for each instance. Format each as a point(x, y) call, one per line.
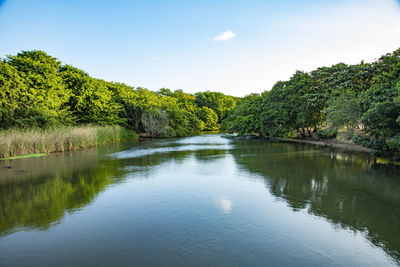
point(91, 101)
point(46, 96)
point(218, 102)
point(245, 116)
point(14, 96)
point(293, 105)
point(381, 109)
point(343, 111)
point(183, 123)
point(209, 117)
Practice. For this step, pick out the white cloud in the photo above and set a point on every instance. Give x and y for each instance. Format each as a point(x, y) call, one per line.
point(225, 36)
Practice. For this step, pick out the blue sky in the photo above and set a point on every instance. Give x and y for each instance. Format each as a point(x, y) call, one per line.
point(237, 47)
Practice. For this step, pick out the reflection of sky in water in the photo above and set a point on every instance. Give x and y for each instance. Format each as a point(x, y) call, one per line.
point(200, 139)
point(225, 204)
point(140, 152)
point(195, 143)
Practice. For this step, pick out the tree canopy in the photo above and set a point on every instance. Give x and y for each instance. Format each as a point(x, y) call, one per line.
point(37, 90)
point(362, 101)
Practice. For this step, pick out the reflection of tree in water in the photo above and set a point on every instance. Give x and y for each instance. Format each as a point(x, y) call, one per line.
point(38, 197)
point(209, 154)
point(345, 188)
point(40, 200)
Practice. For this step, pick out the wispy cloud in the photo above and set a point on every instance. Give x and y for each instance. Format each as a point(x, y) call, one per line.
point(225, 36)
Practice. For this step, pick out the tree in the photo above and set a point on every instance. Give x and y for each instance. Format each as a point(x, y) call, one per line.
point(91, 101)
point(381, 109)
point(293, 105)
point(245, 116)
point(218, 102)
point(343, 111)
point(209, 117)
point(45, 94)
point(14, 96)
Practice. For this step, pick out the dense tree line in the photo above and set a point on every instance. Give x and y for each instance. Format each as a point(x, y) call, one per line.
point(37, 90)
point(359, 102)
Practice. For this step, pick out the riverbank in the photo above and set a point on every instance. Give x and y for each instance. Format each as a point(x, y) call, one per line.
point(346, 145)
point(19, 142)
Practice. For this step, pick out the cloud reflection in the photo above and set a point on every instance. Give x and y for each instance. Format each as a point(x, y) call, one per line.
point(225, 205)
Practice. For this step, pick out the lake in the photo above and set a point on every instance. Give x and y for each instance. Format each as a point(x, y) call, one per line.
point(202, 200)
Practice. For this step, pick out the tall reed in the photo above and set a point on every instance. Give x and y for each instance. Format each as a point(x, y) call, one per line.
point(16, 142)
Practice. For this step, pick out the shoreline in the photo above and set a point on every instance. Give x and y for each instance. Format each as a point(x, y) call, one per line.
point(333, 143)
point(346, 145)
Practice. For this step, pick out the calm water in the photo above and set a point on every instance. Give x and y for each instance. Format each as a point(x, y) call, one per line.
point(197, 201)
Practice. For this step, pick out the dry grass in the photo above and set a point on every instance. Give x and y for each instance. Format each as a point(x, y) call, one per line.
point(16, 142)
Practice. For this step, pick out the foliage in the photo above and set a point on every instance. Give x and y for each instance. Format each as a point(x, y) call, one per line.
point(328, 133)
point(381, 107)
point(293, 105)
point(34, 89)
point(216, 101)
point(245, 117)
point(155, 123)
point(209, 117)
point(183, 123)
point(343, 111)
point(362, 98)
point(37, 90)
point(90, 101)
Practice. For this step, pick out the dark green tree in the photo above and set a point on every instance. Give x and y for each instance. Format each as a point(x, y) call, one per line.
point(245, 116)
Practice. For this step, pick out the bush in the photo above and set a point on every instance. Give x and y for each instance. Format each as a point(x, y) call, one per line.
point(382, 147)
point(156, 122)
point(394, 143)
point(328, 133)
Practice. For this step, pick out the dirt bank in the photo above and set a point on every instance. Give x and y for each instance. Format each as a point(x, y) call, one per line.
point(347, 145)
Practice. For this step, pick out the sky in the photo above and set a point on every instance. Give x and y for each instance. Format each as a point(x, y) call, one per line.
point(235, 47)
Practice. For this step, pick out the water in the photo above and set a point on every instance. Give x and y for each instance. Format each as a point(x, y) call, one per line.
point(202, 200)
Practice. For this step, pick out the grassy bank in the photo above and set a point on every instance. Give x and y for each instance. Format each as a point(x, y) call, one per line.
point(16, 142)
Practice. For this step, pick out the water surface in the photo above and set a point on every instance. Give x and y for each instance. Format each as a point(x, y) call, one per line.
point(202, 200)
